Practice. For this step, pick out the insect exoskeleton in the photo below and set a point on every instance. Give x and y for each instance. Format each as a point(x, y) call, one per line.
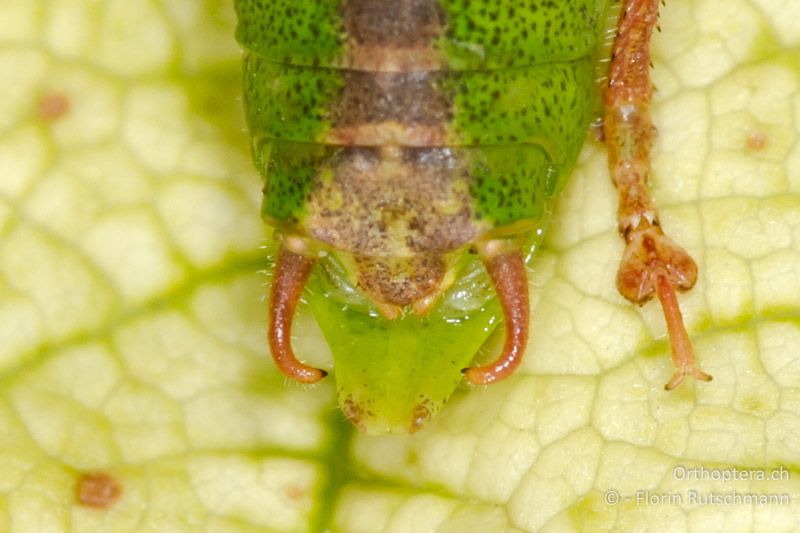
point(399, 136)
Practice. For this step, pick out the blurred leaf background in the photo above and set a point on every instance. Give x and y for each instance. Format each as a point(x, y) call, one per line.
point(132, 336)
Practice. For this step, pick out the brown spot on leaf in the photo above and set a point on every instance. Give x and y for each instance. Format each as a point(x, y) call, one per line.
point(756, 141)
point(52, 106)
point(98, 490)
point(294, 492)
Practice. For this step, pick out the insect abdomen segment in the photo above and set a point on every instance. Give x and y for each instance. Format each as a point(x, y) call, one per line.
point(446, 34)
point(536, 104)
point(504, 184)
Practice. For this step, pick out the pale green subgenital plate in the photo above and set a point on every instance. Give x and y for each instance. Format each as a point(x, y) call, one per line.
point(394, 376)
point(131, 312)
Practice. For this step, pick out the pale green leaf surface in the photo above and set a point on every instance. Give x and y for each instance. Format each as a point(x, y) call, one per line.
point(131, 307)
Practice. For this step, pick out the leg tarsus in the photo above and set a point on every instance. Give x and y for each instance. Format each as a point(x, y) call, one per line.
point(292, 271)
point(682, 352)
point(654, 264)
point(510, 279)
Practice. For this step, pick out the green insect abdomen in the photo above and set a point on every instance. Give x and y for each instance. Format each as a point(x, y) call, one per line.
point(398, 134)
point(402, 134)
point(507, 86)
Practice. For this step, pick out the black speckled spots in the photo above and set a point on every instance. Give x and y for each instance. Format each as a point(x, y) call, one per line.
point(469, 34)
point(286, 102)
point(525, 105)
point(290, 171)
point(511, 184)
point(490, 34)
point(300, 32)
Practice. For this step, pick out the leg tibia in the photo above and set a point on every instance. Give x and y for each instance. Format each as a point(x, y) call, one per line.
point(652, 262)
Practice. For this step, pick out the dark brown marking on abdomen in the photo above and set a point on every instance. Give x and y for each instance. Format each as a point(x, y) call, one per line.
point(397, 198)
point(412, 98)
point(394, 84)
point(393, 202)
point(392, 23)
point(400, 281)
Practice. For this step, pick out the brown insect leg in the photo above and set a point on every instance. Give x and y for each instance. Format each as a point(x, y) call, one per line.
point(291, 274)
point(507, 271)
point(652, 262)
point(682, 353)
